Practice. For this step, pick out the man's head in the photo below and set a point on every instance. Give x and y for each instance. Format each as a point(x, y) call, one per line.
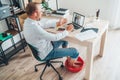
point(33, 10)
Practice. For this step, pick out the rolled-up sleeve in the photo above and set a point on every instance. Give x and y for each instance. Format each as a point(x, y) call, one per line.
point(46, 23)
point(50, 36)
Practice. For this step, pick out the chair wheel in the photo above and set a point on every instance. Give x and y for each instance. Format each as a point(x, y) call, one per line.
point(62, 66)
point(36, 69)
point(60, 78)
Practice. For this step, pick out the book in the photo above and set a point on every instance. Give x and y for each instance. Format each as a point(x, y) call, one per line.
point(59, 14)
point(62, 10)
point(55, 12)
point(2, 38)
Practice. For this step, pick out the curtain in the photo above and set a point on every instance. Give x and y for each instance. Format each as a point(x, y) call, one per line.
point(115, 14)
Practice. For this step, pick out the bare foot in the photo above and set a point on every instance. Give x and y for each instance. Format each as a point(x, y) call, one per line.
point(74, 63)
point(77, 64)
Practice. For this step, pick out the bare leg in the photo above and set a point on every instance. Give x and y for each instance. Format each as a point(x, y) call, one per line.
point(73, 62)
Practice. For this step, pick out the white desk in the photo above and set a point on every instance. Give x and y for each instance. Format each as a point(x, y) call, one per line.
point(102, 25)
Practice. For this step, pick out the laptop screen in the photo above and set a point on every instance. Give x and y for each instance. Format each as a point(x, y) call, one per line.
point(78, 19)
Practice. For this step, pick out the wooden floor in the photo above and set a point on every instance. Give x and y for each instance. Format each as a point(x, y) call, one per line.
point(21, 66)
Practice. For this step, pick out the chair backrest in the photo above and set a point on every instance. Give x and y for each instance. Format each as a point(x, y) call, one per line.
point(35, 52)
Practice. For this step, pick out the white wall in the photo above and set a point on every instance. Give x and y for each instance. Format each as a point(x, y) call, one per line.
point(87, 7)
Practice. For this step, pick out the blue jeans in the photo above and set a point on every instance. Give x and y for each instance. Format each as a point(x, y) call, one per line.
point(61, 52)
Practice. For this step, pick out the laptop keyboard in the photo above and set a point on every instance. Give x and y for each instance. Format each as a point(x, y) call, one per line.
point(76, 26)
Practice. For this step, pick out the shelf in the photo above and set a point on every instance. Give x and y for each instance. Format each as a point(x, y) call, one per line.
point(11, 51)
point(12, 21)
point(19, 12)
point(12, 32)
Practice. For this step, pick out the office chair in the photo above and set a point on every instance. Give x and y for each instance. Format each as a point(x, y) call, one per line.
point(47, 63)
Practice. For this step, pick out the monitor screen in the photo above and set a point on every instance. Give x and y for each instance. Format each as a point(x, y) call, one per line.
point(78, 19)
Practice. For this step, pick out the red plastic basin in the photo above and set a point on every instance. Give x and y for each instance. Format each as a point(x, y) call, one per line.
point(74, 69)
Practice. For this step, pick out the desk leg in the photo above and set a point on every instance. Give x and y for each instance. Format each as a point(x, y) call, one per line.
point(89, 62)
point(102, 45)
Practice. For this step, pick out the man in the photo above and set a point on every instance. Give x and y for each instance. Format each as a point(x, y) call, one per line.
point(47, 43)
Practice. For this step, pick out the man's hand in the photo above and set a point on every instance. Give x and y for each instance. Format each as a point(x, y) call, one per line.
point(70, 28)
point(61, 22)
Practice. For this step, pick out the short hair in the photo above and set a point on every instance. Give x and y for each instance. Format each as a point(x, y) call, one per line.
point(31, 7)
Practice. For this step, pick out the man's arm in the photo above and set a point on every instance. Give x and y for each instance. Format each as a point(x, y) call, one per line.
point(46, 23)
point(53, 37)
point(50, 36)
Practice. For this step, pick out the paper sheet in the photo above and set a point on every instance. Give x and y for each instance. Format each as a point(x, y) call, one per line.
point(86, 35)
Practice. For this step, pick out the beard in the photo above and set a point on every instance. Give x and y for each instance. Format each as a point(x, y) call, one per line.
point(38, 17)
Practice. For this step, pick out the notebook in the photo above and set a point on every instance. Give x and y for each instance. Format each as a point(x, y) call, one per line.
point(77, 20)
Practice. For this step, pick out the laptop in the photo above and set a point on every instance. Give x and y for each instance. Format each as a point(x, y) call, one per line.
point(77, 20)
